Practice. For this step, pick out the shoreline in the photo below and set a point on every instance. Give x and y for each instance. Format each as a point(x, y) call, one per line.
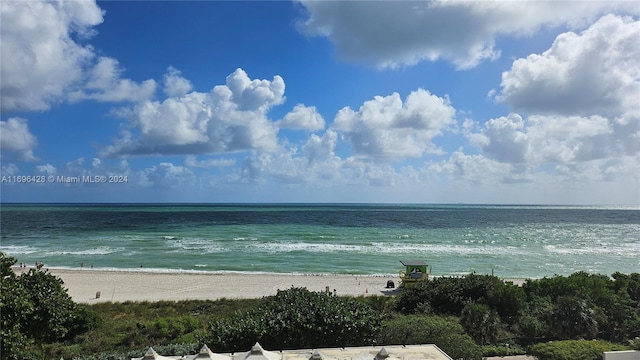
point(86, 285)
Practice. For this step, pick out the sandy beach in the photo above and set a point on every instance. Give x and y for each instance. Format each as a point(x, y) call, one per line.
point(84, 285)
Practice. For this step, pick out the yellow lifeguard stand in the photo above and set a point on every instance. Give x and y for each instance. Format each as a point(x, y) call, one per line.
point(415, 271)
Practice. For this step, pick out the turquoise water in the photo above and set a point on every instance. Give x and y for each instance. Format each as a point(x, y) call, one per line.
point(511, 241)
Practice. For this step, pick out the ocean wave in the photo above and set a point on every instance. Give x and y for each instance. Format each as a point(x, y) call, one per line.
point(101, 250)
point(383, 248)
point(628, 250)
point(447, 249)
point(18, 250)
point(194, 244)
point(308, 247)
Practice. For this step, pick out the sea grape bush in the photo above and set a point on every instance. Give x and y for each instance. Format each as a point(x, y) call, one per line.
point(35, 308)
point(445, 332)
point(449, 295)
point(297, 318)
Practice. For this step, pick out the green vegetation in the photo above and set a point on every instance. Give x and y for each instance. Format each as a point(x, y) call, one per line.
point(580, 306)
point(573, 349)
point(35, 309)
point(468, 317)
point(444, 331)
point(296, 318)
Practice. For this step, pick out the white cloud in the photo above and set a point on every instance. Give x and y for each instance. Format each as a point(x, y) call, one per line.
point(594, 72)
point(554, 139)
point(105, 84)
point(230, 118)
point(47, 169)
point(304, 118)
point(250, 95)
point(320, 148)
point(40, 60)
point(166, 175)
point(175, 85)
point(16, 141)
point(472, 169)
point(44, 62)
point(387, 127)
point(503, 139)
point(9, 170)
point(191, 161)
point(396, 33)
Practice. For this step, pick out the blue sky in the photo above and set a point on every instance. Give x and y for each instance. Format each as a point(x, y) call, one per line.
point(325, 101)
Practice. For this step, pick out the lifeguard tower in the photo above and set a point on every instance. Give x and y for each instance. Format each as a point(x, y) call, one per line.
point(415, 271)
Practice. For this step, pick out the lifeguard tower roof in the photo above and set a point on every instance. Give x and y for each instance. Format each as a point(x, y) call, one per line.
point(413, 263)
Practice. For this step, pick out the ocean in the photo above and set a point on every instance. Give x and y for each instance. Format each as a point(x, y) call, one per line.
point(508, 241)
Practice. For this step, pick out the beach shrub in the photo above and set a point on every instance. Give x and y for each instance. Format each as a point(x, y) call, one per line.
point(481, 323)
point(502, 350)
point(449, 295)
point(13, 303)
point(35, 308)
point(445, 332)
point(533, 324)
point(297, 318)
point(582, 306)
point(573, 349)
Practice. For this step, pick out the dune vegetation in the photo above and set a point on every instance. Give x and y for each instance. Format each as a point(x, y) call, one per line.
point(468, 317)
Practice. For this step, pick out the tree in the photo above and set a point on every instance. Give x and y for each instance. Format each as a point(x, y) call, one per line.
point(574, 318)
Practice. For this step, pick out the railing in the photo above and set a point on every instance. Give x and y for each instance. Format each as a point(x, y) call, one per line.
point(412, 277)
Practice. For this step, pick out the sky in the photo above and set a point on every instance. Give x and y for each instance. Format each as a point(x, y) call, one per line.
point(487, 102)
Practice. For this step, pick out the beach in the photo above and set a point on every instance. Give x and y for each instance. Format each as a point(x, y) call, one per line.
point(93, 285)
point(87, 285)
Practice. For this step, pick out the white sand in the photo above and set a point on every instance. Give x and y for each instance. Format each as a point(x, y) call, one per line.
point(118, 286)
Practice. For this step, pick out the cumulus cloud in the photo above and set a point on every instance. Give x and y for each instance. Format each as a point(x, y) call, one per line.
point(554, 139)
point(16, 141)
point(596, 71)
point(229, 118)
point(304, 118)
point(44, 60)
point(174, 84)
point(320, 148)
point(247, 94)
point(473, 169)
point(316, 166)
point(387, 127)
point(166, 175)
point(392, 34)
point(104, 83)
